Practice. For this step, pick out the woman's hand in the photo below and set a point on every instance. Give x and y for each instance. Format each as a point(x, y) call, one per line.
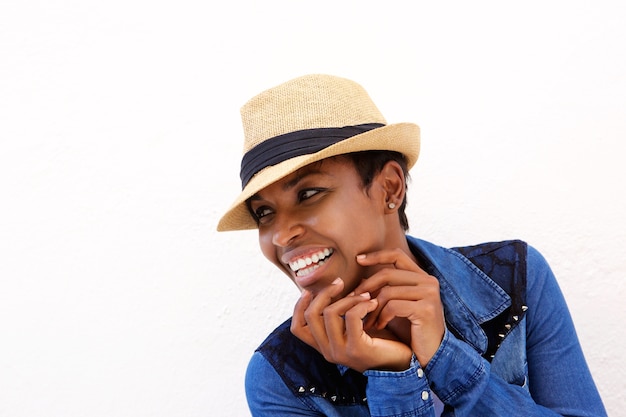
point(404, 291)
point(335, 329)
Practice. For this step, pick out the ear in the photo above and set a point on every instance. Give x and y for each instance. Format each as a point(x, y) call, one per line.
point(391, 179)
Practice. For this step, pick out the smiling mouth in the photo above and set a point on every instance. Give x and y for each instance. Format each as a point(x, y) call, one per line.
point(308, 264)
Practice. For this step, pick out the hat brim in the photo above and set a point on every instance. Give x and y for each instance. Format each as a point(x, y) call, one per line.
point(399, 137)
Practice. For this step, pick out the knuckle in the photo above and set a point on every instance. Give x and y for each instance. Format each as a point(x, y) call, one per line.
point(303, 335)
point(385, 275)
point(391, 308)
point(433, 290)
point(309, 315)
point(332, 356)
point(328, 311)
point(429, 309)
point(433, 281)
point(383, 295)
point(353, 314)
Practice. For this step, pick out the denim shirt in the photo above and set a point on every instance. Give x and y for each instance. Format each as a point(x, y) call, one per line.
point(538, 368)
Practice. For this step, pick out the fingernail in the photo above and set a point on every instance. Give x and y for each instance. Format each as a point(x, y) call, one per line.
point(365, 295)
point(337, 281)
point(362, 256)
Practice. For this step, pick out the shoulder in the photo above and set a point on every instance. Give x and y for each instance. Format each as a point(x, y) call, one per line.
point(505, 252)
point(501, 251)
point(266, 392)
point(269, 383)
point(514, 264)
point(297, 364)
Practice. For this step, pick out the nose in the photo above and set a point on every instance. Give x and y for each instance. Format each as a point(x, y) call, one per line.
point(286, 230)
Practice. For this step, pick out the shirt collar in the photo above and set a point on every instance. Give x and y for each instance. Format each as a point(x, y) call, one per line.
point(469, 296)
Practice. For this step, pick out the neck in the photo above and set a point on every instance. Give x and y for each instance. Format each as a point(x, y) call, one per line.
point(396, 238)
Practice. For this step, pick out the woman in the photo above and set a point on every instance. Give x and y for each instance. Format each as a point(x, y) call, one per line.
point(388, 324)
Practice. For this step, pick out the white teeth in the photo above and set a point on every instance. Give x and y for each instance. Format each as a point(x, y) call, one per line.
point(314, 261)
point(307, 271)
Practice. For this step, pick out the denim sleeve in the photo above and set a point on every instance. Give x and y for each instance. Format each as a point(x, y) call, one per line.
point(559, 380)
point(403, 393)
point(555, 357)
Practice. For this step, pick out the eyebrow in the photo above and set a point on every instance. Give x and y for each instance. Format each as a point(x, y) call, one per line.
point(301, 175)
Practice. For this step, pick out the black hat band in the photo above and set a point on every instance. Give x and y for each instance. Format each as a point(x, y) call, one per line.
point(290, 145)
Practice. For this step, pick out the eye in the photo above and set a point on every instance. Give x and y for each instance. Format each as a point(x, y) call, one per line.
point(261, 212)
point(308, 193)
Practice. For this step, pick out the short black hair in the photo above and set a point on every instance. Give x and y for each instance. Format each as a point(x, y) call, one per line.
point(368, 164)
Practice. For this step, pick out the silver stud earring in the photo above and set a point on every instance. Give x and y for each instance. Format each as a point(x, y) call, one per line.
point(391, 206)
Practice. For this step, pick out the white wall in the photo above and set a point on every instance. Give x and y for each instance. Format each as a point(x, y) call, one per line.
point(119, 149)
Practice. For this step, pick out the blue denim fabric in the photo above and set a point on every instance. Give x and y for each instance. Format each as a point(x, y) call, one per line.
point(538, 370)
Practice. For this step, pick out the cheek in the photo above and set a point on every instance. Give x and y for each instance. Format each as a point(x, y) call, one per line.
point(367, 229)
point(265, 243)
point(269, 251)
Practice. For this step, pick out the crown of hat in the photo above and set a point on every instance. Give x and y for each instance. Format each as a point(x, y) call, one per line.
point(308, 102)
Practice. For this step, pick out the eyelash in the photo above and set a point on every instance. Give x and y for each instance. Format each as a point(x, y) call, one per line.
point(258, 213)
point(303, 195)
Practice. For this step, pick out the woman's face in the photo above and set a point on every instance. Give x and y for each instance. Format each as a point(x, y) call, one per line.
point(314, 222)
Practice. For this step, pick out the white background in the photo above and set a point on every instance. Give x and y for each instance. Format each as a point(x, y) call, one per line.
point(120, 144)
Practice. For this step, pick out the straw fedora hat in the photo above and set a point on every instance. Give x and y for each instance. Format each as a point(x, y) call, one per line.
point(303, 121)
